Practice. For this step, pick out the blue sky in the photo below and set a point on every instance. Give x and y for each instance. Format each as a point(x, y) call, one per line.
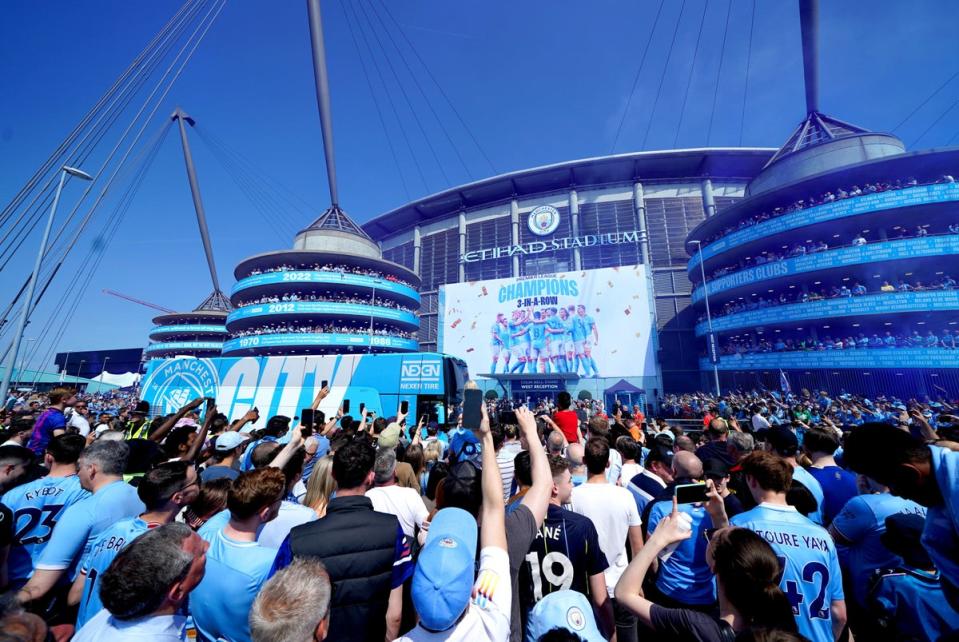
point(537, 81)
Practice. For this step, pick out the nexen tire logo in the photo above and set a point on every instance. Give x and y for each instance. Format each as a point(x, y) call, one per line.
point(420, 371)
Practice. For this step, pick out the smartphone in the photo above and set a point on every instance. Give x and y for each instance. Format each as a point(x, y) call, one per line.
point(690, 493)
point(472, 408)
point(307, 417)
point(346, 406)
point(210, 403)
point(362, 407)
point(324, 383)
point(404, 407)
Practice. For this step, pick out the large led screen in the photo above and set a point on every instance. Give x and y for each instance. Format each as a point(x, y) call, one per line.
point(592, 323)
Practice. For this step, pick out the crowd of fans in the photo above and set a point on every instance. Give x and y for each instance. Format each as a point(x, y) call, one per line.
point(294, 327)
point(780, 518)
point(329, 267)
point(813, 247)
point(843, 290)
point(945, 339)
point(328, 297)
point(828, 197)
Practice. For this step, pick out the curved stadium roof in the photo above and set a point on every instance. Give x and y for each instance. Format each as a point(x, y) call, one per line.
point(718, 162)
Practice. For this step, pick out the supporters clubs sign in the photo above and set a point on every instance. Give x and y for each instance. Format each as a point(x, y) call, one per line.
point(590, 323)
point(913, 248)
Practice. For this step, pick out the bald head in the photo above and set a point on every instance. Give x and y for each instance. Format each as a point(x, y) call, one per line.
point(554, 443)
point(684, 443)
point(686, 464)
point(574, 453)
point(717, 430)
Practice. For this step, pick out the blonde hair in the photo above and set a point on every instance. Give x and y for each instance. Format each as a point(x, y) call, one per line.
point(433, 450)
point(320, 486)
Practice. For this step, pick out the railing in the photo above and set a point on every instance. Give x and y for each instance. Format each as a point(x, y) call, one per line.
point(186, 346)
point(867, 203)
point(310, 339)
point(304, 277)
point(880, 303)
point(323, 308)
point(188, 329)
point(865, 358)
point(927, 246)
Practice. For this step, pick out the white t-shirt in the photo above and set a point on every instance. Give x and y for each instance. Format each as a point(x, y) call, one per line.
point(79, 422)
point(615, 465)
point(103, 627)
point(627, 472)
point(299, 491)
point(401, 501)
point(759, 422)
point(507, 467)
point(487, 622)
point(612, 510)
point(290, 515)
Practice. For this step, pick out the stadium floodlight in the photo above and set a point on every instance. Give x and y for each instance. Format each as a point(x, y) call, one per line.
point(32, 284)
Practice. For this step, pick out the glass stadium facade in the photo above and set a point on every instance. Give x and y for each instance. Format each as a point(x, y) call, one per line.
point(634, 209)
point(836, 271)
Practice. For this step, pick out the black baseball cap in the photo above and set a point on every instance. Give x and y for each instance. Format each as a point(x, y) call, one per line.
point(714, 468)
point(782, 440)
point(278, 422)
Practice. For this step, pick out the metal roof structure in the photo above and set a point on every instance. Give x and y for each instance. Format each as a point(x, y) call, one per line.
point(335, 219)
point(816, 129)
point(674, 164)
point(216, 302)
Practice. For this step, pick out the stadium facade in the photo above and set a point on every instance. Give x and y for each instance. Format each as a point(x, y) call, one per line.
point(606, 212)
point(836, 271)
point(331, 294)
point(199, 333)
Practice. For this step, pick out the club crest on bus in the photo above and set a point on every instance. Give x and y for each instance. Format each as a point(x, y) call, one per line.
point(178, 381)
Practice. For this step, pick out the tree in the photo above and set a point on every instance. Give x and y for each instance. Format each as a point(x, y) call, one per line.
point(585, 395)
point(491, 395)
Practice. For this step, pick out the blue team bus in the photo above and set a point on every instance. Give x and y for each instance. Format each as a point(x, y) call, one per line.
point(431, 383)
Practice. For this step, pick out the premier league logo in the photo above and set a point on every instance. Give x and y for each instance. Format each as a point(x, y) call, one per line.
point(176, 382)
point(543, 220)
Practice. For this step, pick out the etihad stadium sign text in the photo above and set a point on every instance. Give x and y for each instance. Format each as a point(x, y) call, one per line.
point(566, 243)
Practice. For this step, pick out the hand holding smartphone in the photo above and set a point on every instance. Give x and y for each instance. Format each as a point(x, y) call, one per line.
point(472, 408)
point(690, 493)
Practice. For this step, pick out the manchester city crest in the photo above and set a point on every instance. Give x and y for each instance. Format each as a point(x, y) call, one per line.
point(543, 220)
point(175, 382)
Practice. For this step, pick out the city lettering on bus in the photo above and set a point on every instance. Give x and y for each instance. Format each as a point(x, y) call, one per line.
point(430, 382)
